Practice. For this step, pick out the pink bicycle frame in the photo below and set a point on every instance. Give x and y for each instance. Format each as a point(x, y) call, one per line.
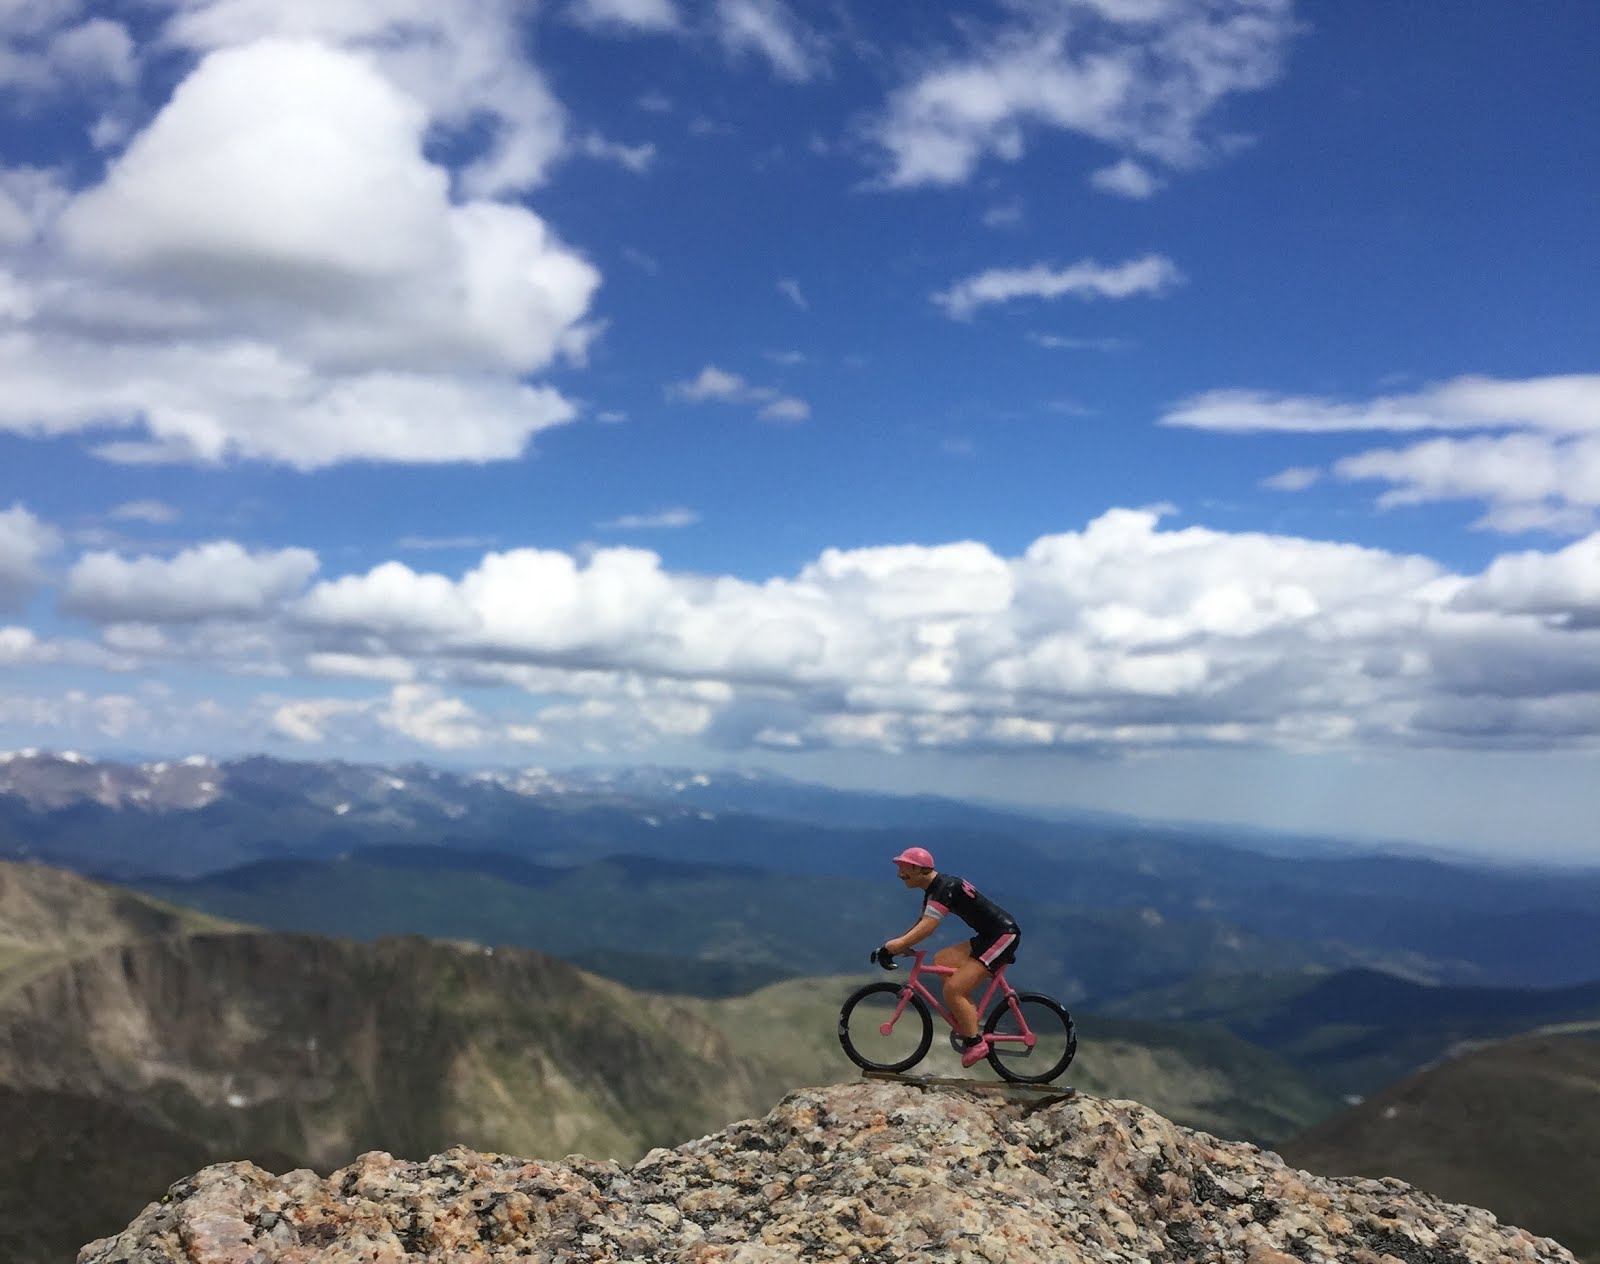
point(996, 984)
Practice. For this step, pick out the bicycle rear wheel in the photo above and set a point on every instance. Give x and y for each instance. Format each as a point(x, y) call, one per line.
point(862, 1019)
point(1055, 1041)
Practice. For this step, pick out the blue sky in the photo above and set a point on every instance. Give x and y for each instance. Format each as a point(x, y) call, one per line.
point(1186, 407)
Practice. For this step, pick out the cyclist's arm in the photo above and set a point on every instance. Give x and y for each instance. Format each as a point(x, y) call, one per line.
point(924, 927)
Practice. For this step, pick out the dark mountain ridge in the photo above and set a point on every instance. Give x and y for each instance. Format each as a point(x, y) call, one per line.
point(1510, 1126)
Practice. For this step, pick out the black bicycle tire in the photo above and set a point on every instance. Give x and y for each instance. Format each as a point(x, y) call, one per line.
point(1002, 1066)
point(915, 1004)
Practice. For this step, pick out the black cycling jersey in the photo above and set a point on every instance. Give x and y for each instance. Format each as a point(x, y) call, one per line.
point(950, 894)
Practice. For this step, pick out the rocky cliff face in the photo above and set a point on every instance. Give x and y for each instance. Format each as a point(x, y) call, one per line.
point(864, 1172)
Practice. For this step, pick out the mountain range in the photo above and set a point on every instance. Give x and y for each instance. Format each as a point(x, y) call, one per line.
point(1429, 918)
point(198, 1040)
point(295, 961)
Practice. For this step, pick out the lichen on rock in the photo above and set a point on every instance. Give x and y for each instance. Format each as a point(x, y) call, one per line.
point(869, 1172)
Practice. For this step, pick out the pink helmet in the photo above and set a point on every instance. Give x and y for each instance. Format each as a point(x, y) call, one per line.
point(919, 856)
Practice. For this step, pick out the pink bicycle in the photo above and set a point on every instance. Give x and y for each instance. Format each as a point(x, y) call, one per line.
point(889, 1026)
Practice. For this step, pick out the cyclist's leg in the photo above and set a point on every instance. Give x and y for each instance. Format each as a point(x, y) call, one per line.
point(958, 987)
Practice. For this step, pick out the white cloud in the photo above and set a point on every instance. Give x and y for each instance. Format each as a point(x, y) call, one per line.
point(98, 49)
point(1119, 636)
point(29, 199)
point(720, 386)
point(25, 541)
point(1296, 478)
point(462, 62)
point(626, 15)
point(391, 595)
point(156, 512)
point(636, 158)
point(1058, 342)
point(274, 271)
point(17, 646)
point(1562, 586)
point(1537, 468)
point(770, 30)
point(1529, 480)
point(1003, 215)
point(113, 715)
point(1126, 179)
point(712, 383)
point(220, 580)
point(665, 519)
point(44, 49)
point(309, 719)
point(290, 178)
point(361, 667)
point(210, 403)
point(785, 408)
point(425, 714)
point(1142, 77)
point(1151, 274)
point(791, 290)
point(1559, 405)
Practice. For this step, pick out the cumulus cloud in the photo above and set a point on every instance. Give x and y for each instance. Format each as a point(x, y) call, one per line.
point(1536, 464)
point(461, 62)
point(273, 270)
point(1141, 77)
point(1123, 635)
point(24, 543)
point(1151, 274)
point(1563, 587)
point(220, 580)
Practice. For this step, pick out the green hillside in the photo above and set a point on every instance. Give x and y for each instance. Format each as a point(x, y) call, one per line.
point(1510, 1127)
point(1355, 1031)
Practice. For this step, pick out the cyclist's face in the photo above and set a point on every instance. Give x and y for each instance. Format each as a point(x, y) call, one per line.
point(908, 873)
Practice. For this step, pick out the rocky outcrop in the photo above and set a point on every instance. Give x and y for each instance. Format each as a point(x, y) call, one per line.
point(866, 1172)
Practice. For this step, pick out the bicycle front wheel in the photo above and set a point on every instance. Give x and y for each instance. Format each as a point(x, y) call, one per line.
point(877, 1041)
point(1053, 1044)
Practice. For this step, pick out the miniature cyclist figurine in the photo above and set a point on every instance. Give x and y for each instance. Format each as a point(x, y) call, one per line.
point(993, 944)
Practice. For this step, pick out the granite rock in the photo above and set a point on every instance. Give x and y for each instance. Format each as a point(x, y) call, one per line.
point(868, 1172)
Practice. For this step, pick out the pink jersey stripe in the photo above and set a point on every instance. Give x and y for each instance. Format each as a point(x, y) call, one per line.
point(937, 909)
point(996, 948)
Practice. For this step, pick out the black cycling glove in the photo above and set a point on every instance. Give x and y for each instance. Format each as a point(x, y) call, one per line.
point(883, 957)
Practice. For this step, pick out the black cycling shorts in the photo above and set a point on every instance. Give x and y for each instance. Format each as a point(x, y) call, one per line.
point(997, 951)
